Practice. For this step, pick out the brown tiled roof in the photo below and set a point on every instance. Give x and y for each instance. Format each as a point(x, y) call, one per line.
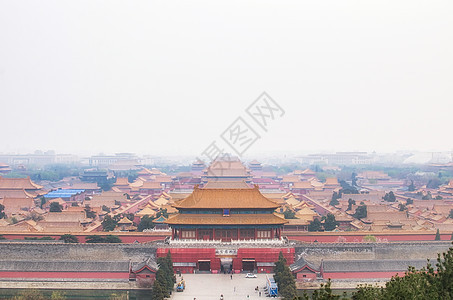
point(302, 185)
point(65, 216)
point(290, 178)
point(83, 186)
point(14, 205)
point(58, 200)
point(227, 168)
point(162, 178)
point(15, 194)
point(234, 219)
point(122, 181)
point(226, 198)
point(125, 220)
point(308, 172)
point(332, 181)
point(18, 184)
point(109, 195)
point(217, 184)
point(151, 185)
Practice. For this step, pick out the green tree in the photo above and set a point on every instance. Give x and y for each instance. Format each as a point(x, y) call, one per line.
point(2, 213)
point(350, 204)
point(30, 294)
point(90, 214)
point(428, 196)
point(433, 183)
point(113, 239)
point(323, 293)
point(409, 201)
point(354, 179)
point(330, 223)
point(169, 261)
point(145, 223)
point(369, 239)
point(402, 207)
point(105, 208)
point(428, 283)
point(334, 200)
point(411, 187)
point(367, 292)
point(284, 278)
point(42, 201)
point(361, 212)
point(437, 237)
point(109, 224)
point(95, 239)
point(55, 207)
point(450, 215)
point(279, 267)
point(162, 212)
point(69, 238)
point(289, 214)
point(315, 225)
point(389, 197)
point(57, 295)
point(158, 292)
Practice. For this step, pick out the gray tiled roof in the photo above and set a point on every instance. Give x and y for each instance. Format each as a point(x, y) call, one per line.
point(64, 266)
point(302, 262)
point(387, 265)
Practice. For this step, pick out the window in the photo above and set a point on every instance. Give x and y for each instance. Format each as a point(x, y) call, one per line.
point(188, 234)
point(264, 234)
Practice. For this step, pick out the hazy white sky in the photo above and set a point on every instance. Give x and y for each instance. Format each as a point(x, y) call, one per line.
point(168, 77)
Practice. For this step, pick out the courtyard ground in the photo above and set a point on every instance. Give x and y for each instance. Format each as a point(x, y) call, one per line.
point(211, 286)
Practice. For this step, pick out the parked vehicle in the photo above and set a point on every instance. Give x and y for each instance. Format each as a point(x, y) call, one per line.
point(250, 275)
point(271, 287)
point(181, 286)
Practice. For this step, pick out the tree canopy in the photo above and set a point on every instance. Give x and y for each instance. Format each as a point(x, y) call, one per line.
point(389, 197)
point(108, 224)
point(330, 223)
point(55, 207)
point(315, 225)
point(361, 212)
point(69, 238)
point(146, 222)
point(284, 278)
point(165, 278)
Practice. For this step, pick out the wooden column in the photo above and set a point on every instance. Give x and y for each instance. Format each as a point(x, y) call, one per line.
point(256, 234)
point(213, 234)
point(196, 233)
point(239, 234)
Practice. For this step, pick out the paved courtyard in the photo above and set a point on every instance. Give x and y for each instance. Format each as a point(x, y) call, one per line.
point(211, 286)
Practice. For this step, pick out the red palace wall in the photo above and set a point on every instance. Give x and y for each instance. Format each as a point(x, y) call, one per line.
point(357, 237)
point(358, 275)
point(127, 238)
point(322, 237)
point(100, 275)
point(193, 255)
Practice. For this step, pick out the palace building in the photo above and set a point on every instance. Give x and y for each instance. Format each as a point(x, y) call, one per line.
point(226, 214)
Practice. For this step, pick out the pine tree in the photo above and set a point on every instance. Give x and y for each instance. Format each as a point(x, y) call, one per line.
point(437, 238)
point(330, 223)
point(158, 291)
